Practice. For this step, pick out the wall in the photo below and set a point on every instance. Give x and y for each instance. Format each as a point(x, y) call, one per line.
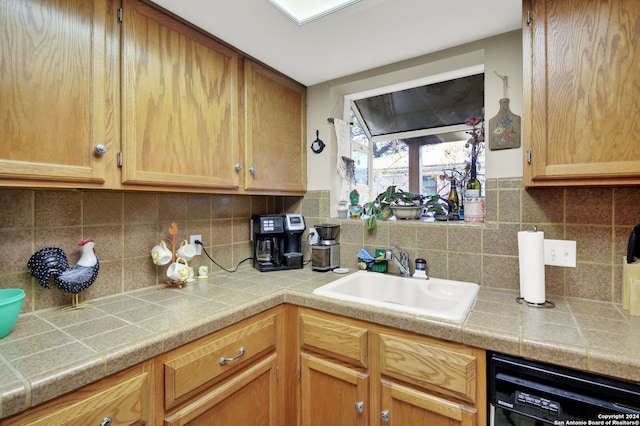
point(598, 219)
point(125, 226)
point(501, 54)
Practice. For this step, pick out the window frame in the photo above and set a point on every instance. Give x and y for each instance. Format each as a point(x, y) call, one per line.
point(349, 107)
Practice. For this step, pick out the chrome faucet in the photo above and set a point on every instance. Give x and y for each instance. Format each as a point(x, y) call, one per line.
point(403, 263)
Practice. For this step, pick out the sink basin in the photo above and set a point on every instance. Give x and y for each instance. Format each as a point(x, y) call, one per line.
point(445, 299)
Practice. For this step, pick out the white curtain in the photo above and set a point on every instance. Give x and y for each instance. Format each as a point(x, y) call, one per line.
point(343, 136)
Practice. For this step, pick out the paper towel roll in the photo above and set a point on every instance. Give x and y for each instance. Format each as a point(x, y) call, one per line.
point(531, 257)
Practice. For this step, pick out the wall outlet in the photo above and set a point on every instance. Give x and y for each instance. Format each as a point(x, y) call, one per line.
point(314, 238)
point(192, 241)
point(560, 253)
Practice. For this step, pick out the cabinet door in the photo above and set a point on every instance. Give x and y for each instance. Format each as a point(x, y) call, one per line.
point(274, 132)
point(179, 103)
point(248, 399)
point(333, 394)
point(581, 74)
point(53, 86)
point(402, 405)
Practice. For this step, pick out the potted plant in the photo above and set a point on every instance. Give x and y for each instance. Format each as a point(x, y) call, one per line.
point(392, 199)
point(434, 205)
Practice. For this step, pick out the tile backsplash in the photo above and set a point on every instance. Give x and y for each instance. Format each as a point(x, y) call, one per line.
point(125, 225)
point(598, 219)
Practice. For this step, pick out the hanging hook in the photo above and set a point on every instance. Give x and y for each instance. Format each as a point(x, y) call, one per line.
point(505, 83)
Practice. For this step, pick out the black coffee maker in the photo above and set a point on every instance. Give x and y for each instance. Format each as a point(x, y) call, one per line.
point(277, 241)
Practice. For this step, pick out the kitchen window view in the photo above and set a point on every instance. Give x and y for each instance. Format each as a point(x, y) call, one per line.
point(420, 126)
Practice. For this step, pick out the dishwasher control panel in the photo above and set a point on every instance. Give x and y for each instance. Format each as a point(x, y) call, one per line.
point(534, 392)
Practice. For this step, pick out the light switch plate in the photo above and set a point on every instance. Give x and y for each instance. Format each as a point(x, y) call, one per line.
point(560, 253)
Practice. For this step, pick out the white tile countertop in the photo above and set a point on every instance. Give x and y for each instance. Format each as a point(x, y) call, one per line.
point(51, 352)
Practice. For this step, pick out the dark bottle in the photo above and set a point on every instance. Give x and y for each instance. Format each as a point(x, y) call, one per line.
point(454, 201)
point(474, 187)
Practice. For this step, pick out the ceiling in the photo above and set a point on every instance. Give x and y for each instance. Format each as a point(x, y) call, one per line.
point(363, 36)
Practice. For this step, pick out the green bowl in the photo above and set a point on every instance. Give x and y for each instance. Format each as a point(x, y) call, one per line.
point(10, 305)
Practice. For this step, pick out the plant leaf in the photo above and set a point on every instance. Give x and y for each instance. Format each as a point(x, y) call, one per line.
point(370, 223)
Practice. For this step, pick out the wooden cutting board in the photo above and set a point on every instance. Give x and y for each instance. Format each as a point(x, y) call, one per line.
point(504, 128)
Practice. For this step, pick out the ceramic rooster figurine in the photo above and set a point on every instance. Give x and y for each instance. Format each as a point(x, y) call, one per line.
point(52, 262)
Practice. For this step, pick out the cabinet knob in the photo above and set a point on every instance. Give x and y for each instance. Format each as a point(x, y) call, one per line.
point(359, 406)
point(106, 421)
point(238, 167)
point(384, 416)
point(252, 170)
point(100, 149)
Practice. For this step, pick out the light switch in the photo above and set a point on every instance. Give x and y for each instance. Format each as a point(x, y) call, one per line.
point(560, 253)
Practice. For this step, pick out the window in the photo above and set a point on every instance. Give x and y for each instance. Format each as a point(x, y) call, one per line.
point(429, 106)
point(415, 134)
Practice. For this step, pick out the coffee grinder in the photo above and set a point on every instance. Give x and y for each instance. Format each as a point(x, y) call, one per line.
point(277, 241)
point(325, 254)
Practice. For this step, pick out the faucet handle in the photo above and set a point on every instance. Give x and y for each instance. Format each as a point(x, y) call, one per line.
point(403, 253)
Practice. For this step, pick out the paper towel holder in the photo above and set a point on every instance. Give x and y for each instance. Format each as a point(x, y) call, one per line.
point(546, 305)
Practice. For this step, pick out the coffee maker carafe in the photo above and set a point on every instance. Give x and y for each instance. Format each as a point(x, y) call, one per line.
point(277, 241)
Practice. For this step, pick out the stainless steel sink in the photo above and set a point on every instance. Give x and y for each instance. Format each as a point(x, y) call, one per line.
point(445, 299)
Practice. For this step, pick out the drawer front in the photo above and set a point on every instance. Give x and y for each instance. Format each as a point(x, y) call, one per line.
point(124, 398)
point(339, 339)
point(435, 366)
point(188, 371)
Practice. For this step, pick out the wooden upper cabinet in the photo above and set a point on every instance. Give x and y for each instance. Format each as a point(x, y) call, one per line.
point(53, 91)
point(275, 121)
point(581, 98)
point(179, 103)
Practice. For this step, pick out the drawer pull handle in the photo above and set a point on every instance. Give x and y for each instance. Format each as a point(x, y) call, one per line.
point(384, 416)
point(106, 421)
point(225, 360)
point(360, 406)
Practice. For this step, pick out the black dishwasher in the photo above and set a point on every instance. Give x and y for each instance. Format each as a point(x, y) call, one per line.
point(524, 392)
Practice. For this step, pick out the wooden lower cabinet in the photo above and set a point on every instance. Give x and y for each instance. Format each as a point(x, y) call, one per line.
point(400, 378)
point(247, 399)
point(126, 398)
point(233, 377)
point(332, 393)
point(350, 373)
point(402, 405)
